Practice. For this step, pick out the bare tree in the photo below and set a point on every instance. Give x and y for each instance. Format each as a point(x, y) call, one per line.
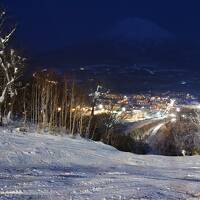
point(11, 66)
point(95, 96)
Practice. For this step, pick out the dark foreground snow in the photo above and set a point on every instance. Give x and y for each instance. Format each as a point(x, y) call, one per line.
point(37, 166)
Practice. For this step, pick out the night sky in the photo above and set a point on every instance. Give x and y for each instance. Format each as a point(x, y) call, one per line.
point(49, 25)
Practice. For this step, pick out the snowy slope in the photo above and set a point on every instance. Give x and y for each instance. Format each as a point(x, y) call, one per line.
point(37, 166)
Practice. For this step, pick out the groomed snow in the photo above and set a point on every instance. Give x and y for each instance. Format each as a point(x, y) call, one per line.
point(34, 166)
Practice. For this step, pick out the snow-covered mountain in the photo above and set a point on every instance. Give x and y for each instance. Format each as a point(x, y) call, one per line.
point(140, 30)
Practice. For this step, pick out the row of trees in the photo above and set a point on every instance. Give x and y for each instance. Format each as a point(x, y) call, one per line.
point(54, 103)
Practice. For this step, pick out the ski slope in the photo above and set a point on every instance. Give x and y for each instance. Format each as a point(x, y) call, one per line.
point(34, 166)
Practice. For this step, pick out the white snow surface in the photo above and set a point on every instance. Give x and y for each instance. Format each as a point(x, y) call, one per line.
point(36, 166)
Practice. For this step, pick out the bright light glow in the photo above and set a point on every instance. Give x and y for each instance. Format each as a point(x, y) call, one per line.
point(100, 106)
point(124, 109)
point(172, 115)
point(59, 109)
point(178, 109)
point(119, 113)
point(172, 102)
point(173, 120)
point(198, 106)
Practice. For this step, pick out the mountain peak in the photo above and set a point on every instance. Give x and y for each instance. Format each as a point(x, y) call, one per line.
point(137, 29)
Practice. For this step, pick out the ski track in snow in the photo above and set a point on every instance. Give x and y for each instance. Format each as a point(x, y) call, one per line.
point(34, 166)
